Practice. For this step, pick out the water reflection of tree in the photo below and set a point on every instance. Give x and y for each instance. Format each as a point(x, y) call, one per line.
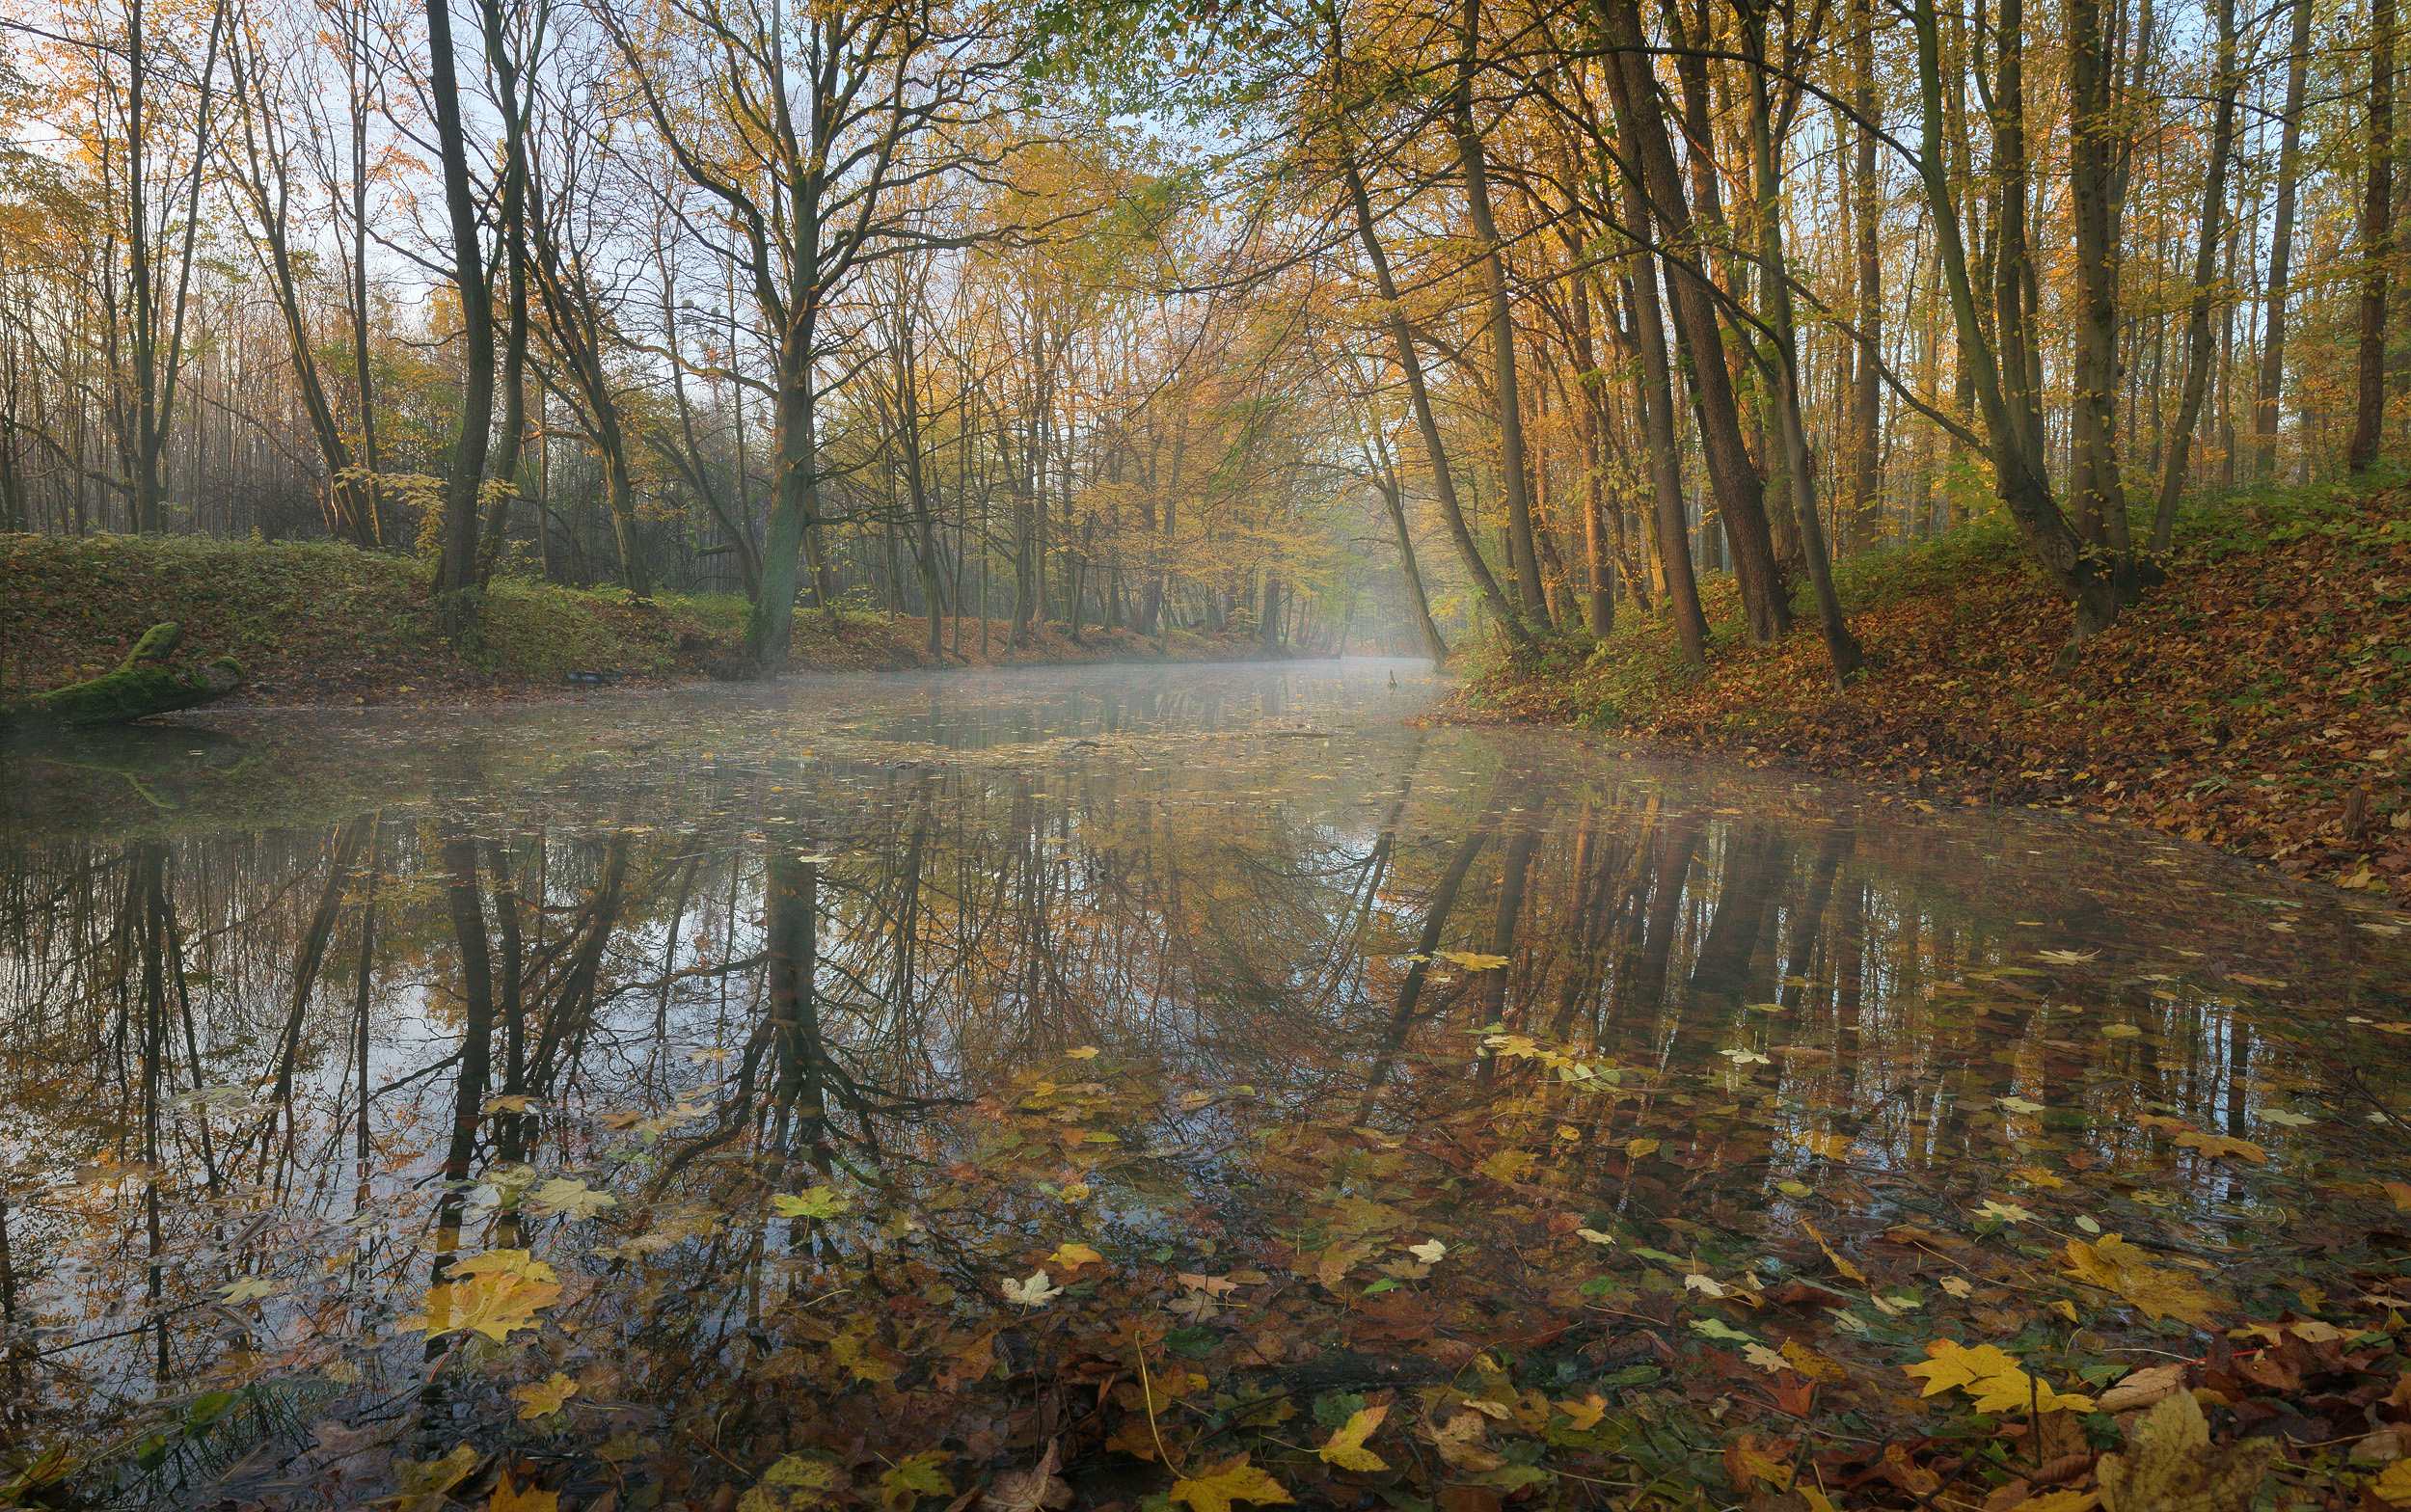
point(438, 996)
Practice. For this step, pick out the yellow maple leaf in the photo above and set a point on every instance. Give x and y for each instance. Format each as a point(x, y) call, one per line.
point(2168, 1462)
point(2113, 1264)
point(1345, 1446)
point(507, 1497)
point(544, 1399)
point(1214, 1489)
point(1071, 1257)
point(1584, 1414)
point(2218, 1147)
point(1472, 960)
point(1992, 1376)
point(506, 1262)
point(493, 1304)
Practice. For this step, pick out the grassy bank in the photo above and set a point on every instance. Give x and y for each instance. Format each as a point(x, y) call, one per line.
point(2243, 703)
point(320, 624)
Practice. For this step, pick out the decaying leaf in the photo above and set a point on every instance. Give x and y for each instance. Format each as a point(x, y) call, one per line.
point(2218, 1147)
point(793, 1482)
point(510, 1498)
point(817, 1201)
point(542, 1399)
point(1459, 1441)
point(903, 1484)
point(2169, 1464)
point(1035, 1292)
point(2113, 1264)
point(2142, 1389)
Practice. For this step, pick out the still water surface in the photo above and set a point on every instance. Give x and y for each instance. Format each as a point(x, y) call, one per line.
point(300, 1003)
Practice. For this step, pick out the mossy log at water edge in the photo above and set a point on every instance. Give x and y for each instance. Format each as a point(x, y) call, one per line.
point(142, 685)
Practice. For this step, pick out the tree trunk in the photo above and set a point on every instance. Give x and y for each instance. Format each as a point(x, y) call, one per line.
point(2176, 468)
point(2281, 251)
point(2377, 241)
point(1738, 490)
point(1514, 477)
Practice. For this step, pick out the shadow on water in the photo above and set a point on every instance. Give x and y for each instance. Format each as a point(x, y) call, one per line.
point(726, 1055)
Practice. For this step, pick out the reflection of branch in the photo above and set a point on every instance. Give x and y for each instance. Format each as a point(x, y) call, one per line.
point(747, 964)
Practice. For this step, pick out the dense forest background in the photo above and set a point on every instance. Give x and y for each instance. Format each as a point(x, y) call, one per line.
point(1334, 324)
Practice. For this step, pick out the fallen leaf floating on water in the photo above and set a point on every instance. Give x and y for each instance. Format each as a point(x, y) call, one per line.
point(2115, 1265)
point(2168, 1463)
point(1345, 1447)
point(1034, 1292)
point(1430, 1252)
point(251, 1288)
point(2218, 1147)
point(1460, 1440)
point(2006, 1212)
point(1214, 1489)
point(568, 1199)
point(2067, 958)
point(1746, 1058)
point(1072, 1255)
point(2285, 1119)
point(2021, 1105)
point(1086, 1052)
point(819, 1201)
point(1472, 960)
point(542, 1399)
point(492, 1305)
point(1594, 1236)
point(1991, 1376)
point(1765, 1359)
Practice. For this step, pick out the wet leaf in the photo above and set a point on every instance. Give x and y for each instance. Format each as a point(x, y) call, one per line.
point(1035, 1292)
point(2169, 1464)
point(1471, 960)
point(491, 1304)
point(2115, 1265)
point(508, 1498)
point(1991, 1377)
point(2218, 1147)
point(1214, 1489)
point(569, 1199)
point(1345, 1447)
point(542, 1399)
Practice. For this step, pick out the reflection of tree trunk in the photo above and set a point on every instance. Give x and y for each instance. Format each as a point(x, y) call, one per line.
point(1676, 850)
point(1514, 877)
point(1810, 920)
point(511, 1128)
point(360, 1019)
point(342, 855)
point(1444, 893)
point(1850, 982)
point(570, 1015)
point(1745, 893)
point(477, 989)
point(791, 944)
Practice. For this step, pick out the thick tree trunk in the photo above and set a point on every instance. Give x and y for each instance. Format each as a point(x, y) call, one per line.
point(1866, 411)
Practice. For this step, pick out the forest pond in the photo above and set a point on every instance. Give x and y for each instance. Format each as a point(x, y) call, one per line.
point(890, 1082)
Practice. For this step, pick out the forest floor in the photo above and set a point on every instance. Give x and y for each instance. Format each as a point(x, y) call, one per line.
point(318, 624)
point(2244, 703)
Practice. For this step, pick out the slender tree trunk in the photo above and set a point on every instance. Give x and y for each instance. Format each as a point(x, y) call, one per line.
point(1841, 646)
point(2198, 345)
point(2377, 241)
point(2280, 250)
point(1515, 480)
point(1640, 125)
point(456, 573)
point(1436, 451)
point(1866, 413)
